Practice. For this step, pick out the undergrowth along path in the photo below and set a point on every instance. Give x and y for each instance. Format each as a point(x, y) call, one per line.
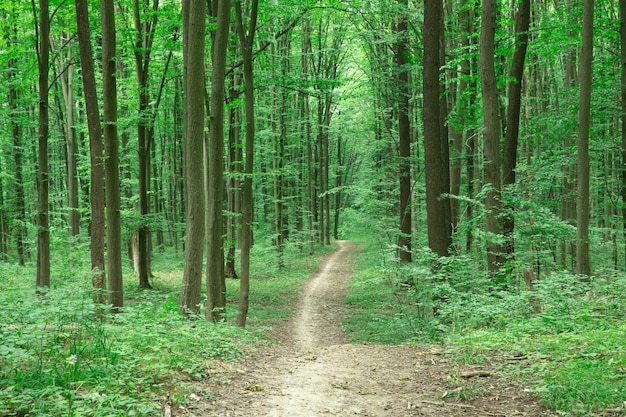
point(314, 371)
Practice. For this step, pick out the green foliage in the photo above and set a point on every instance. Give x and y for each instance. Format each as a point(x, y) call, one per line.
point(570, 329)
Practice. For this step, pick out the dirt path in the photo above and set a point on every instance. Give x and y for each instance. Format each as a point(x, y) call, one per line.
point(316, 372)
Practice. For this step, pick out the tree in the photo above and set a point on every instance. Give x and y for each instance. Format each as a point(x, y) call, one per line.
point(43, 232)
point(216, 286)
point(583, 265)
point(522, 23)
point(404, 130)
point(491, 134)
point(246, 42)
point(144, 37)
point(95, 145)
point(622, 16)
point(439, 227)
point(112, 174)
point(193, 139)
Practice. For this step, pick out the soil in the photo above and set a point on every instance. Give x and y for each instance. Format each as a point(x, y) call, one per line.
point(314, 370)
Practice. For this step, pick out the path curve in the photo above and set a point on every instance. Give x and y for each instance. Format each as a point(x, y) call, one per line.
point(315, 372)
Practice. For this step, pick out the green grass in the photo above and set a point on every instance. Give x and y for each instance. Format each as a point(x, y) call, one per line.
point(58, 359)
point(572, 331)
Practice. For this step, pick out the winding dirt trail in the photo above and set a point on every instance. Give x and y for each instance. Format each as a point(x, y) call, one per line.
point(316, 372)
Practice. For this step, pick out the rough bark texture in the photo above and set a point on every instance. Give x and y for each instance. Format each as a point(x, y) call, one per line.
point(95, 151)
point(439, 240)
point(491, 134)
point(112, 175)
point(43, 183)
point(193, 140)
point(522, 23)
point(216, 297)
point(583, 265)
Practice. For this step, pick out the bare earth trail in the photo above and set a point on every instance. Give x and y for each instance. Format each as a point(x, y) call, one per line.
point(315, 371)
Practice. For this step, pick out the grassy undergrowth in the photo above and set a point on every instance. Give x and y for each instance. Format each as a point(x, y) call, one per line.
point(570, 333)
point(58, 359)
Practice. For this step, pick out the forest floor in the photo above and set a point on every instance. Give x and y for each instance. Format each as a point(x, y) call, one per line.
point(314, 370)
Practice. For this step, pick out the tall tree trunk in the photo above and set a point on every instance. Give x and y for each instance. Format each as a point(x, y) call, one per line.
point(111, 151)
point(67, 87)
point(193, 140)
point(622, 17)
point(583, 265)
point(216, 286)
point(144, 34)
point(246, 42)
point(439, 239)
point(43, 174)
point(95, 153)
point(232, 182)
point(491, 135)
point(522, 23)
point(404, 132)
point(21, 232)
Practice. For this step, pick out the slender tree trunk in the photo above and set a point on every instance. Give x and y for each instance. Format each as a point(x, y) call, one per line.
point(95, 144)
point(522, 23)
point(492, 134)
point(583, 265)
point(622, 16)
point(21, 232)
point(144, 34)
point(193, 140)
point(404, 133)
point(216, 286)
point(43, 182)
point(67, 87)
point(246, 42)
point(112, 179)
point(232, 183)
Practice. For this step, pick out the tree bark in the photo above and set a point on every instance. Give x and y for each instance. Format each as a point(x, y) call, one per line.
point(95, 152)
point(43, 183)
point(491, 134)
point(583, 265)
point(144, 34)
point(193, 141)
point(404, 133)
point(622, 17)
point(216, 286)
point(439, 239)
point(246, 41)
point(112, 175)
point(522, 23)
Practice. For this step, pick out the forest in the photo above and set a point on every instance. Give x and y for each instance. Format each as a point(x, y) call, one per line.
point(173, 172)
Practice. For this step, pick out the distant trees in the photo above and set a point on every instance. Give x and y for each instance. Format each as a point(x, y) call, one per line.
point(426, 127)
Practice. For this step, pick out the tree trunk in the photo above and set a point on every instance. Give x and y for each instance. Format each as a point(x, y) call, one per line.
point(95, 145)
point(144, 33)
point(404, 132)
point(43, 183)
point(522, 23)
point(491, 135)
point(216, 286)
point(112, 178)
point(193, 142)
point(622, 16)
point(246, 42)
point(439, 239)
point(583, 266)
point(67, 87)
point(21, 232)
